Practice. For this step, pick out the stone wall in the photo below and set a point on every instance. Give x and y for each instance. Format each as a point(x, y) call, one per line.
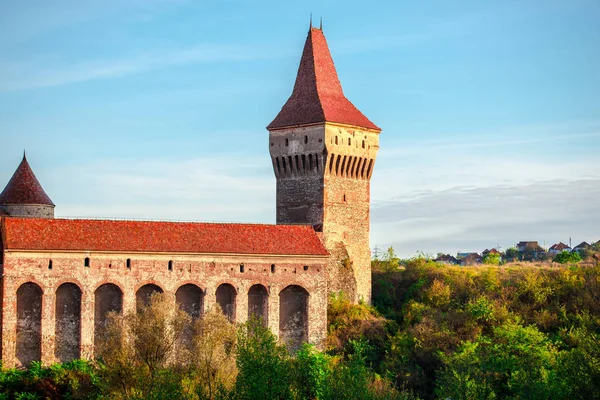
point(34, 211)
point(323, 176)
point(64, 277)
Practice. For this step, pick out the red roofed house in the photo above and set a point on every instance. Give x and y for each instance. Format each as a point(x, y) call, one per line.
point(558, 248)
point(61, 277)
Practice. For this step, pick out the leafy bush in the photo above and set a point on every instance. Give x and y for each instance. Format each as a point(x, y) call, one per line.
point(565, 257)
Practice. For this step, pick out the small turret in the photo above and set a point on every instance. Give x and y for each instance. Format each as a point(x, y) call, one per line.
point(24, 196)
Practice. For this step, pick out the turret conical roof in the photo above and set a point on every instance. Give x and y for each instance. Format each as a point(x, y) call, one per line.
point(24, 188)
point(318, 95)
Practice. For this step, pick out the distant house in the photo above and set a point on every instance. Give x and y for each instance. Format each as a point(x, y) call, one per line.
point(471, 259)
point(531, 251)
point(532, 246)
point(582, 247)
point(446, 259)
point(462, 254)
point(558, 248)
point(486, 252)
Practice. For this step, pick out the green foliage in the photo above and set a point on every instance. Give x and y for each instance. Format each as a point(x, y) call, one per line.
point(492, 259)
point(264, 366)
point(77, 379)
point(312, 373)
point(459, 322)
point(512, 254)
point(516, 362)
point(565, 257)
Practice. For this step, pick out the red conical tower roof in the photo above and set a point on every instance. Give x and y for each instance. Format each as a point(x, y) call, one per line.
point(24, 188)
point(318, 95)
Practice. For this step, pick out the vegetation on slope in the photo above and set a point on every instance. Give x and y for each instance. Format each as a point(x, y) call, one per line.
point(516, 331)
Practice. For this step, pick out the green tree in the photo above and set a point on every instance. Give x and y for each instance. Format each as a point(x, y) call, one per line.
point(264, 366)
point(492, 259)
point(516, 362)
point(213, 358)
point(141, 352)
point(512, 254)
point(312, 372)
point(565, 257)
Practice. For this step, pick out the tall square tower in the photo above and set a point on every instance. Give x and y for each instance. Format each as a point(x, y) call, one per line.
point(323, 151)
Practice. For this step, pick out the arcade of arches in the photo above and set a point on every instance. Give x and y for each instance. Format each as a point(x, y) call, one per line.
point(108, 297)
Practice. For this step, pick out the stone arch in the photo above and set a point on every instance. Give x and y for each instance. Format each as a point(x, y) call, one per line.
point(190, 299)
point(107, 298)
point(293, 316)
point(226, 299)
point(258, 303)
point(29, 323)
point(144, 293)
point(67, 345)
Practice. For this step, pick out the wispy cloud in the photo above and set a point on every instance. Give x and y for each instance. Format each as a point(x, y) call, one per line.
point(32, 75)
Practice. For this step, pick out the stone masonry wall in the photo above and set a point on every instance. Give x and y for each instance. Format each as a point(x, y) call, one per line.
point(332, 194)
point(34, 211)
point(207, 271)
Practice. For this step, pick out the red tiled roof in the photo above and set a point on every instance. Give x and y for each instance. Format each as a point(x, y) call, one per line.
point(155, 236)
point(317, 95)
point(24, 188)
point(559, 246)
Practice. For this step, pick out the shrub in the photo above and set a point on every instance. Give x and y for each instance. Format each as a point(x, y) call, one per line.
point(565, 257)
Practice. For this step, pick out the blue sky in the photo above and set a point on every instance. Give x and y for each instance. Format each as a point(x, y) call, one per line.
point(156, 109)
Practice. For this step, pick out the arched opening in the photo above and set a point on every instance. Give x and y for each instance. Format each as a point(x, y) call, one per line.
point(29, 323)
point(190, 299)
point(68, 322)
point(293, 316)
point(143, 295)
point(107, 298)
point(226, 300)
point(258, 303)
point(86, 262)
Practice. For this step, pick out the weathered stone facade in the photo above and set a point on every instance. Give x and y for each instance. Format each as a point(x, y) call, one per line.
point(323, 178)
point(28, 210)
point(323, 152)
point(35, 327)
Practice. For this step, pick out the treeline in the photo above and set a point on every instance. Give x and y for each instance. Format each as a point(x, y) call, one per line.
point(159, 353)
point(516, 332)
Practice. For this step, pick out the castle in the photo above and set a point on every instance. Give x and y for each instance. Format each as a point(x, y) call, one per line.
point(61, 277)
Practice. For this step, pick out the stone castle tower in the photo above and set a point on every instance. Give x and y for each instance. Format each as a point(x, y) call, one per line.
point(323, 151)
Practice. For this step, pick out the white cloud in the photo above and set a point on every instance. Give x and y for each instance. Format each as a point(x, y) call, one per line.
point(31, 75)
